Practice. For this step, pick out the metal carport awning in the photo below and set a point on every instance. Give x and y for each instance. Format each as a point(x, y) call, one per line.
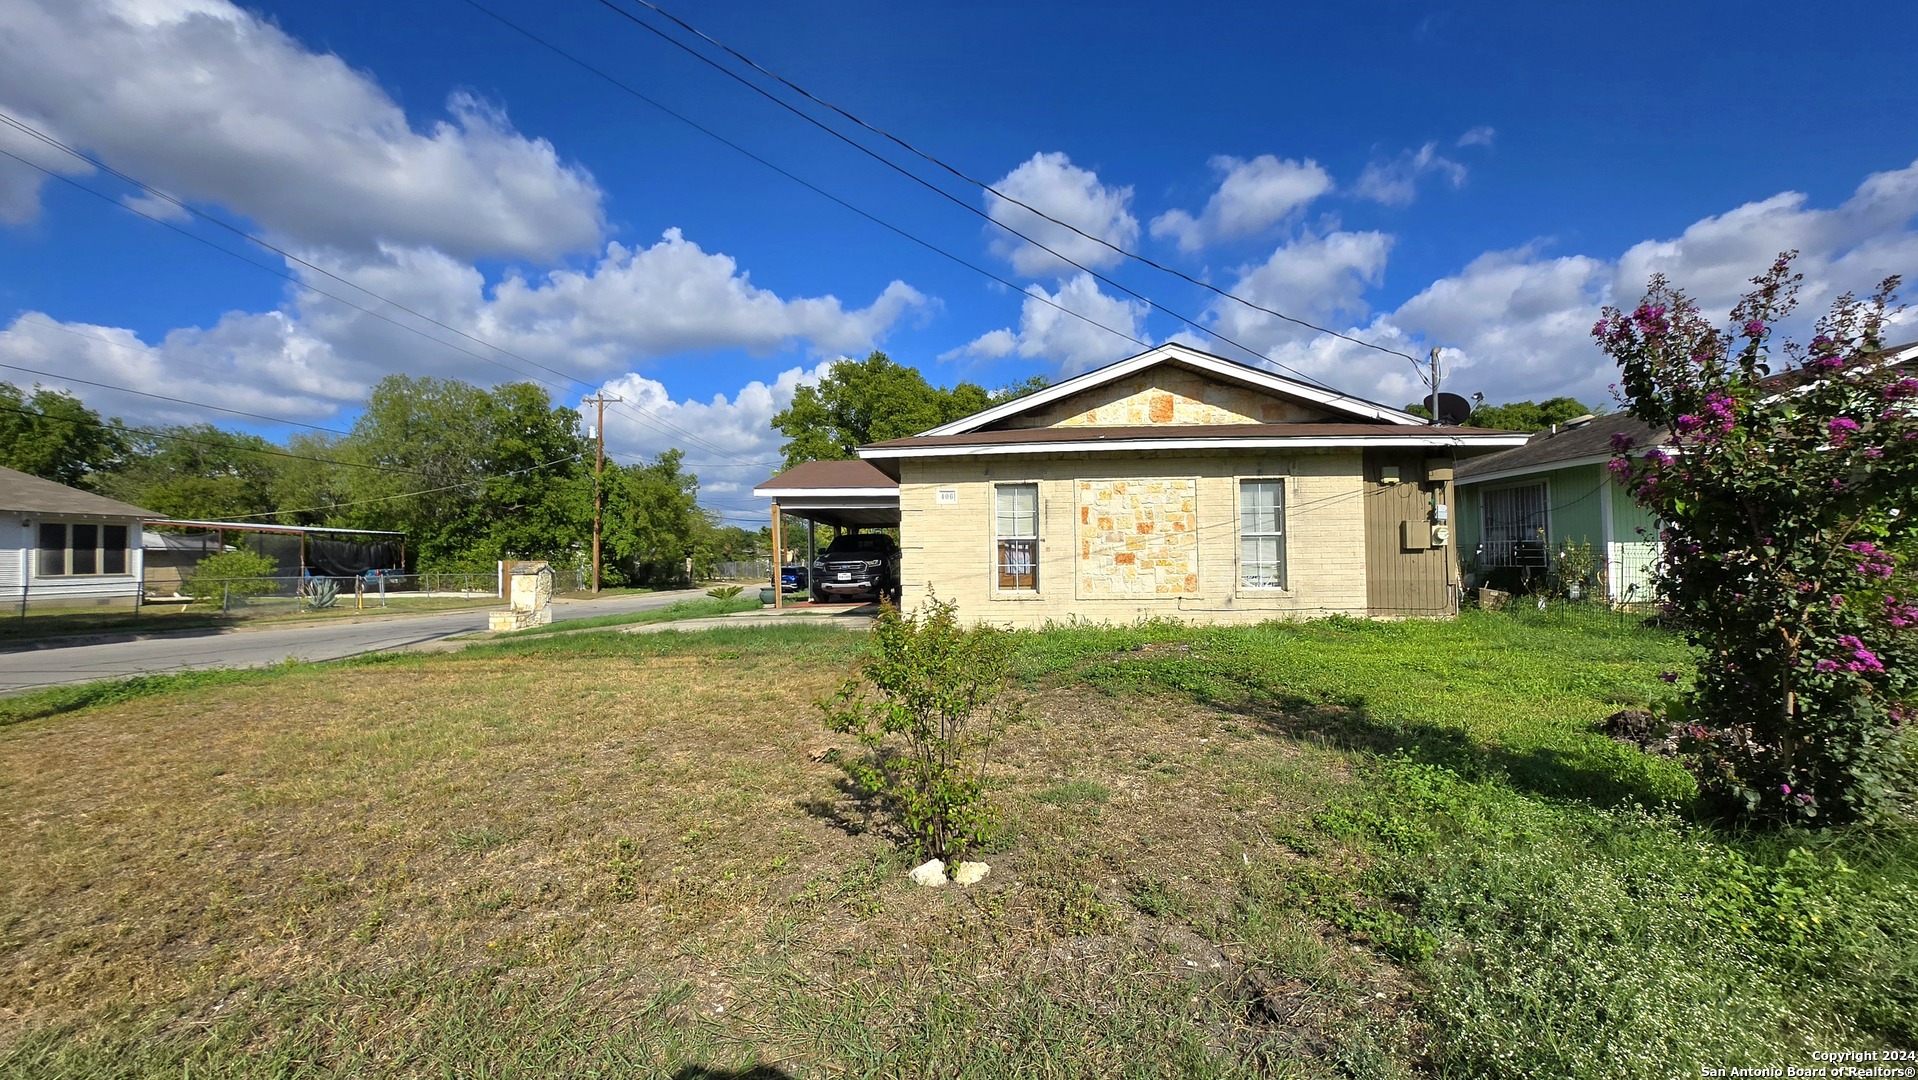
point(844, 494)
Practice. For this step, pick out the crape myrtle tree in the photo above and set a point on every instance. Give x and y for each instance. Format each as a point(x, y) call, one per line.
point(1788, 541)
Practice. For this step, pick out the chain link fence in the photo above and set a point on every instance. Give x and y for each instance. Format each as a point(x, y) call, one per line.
point(373, 590)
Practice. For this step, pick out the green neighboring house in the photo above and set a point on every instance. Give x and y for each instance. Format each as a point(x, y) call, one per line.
point(1519, 510)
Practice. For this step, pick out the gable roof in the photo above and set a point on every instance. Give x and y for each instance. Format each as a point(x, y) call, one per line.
point(1186, 356)
point(1584, 444)
point(23, 493)
point(1793, 378)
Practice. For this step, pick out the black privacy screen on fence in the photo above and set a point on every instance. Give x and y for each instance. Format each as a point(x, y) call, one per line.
point(327, 558)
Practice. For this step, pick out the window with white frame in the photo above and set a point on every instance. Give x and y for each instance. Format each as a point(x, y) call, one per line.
point(1261, 534)
point(76, 549)
point(1016, 536)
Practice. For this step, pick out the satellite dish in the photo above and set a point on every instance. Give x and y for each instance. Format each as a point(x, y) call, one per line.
point(1449, 409)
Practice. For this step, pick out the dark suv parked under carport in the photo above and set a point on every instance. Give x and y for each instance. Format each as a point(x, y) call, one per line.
point(860, 566)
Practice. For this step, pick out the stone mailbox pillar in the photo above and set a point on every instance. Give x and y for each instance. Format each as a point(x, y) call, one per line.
point(529, 597)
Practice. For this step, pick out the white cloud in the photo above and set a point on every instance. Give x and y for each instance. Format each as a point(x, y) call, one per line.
point(215, 105)
point(1053, 185)
point(1252, 197)
point(1077, 327)
point(1478, 136)
point(1395, 182)
point(316, 356)
point(1516, 324)
point(262, 364)
point(20, 180)
point(1319, 278)
point(740, 447)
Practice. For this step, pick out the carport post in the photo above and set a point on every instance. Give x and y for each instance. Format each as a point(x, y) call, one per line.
point(778, 560)
point(812, 556)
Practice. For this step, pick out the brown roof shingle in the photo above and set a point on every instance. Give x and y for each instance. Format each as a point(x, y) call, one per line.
point(23, 493)
point(826, 475)
point(1546, 449)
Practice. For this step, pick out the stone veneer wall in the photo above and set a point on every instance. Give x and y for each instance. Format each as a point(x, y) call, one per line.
point(1138, 538)
point(1162, 397)
point(947, 547)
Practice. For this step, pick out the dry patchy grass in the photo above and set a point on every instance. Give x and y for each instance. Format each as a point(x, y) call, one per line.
point(628, 853)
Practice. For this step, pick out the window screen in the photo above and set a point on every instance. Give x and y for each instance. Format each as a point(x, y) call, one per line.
point(85, 555)
point(1261, 534)
point(1016, 530)
point(113, 549)
point(52, 558)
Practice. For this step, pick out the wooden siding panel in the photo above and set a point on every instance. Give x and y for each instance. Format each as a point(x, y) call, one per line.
point(1401, 581)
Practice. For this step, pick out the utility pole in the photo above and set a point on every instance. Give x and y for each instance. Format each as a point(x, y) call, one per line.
point(1436, 377)
point(599, 466)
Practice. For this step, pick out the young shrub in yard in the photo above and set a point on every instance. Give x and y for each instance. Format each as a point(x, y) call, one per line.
point(725, 592)
point(230, 573)
point(1787, 544)
point(924, 711)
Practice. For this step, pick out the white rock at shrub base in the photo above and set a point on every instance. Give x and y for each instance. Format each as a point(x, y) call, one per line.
point(969, 873)
point(931, 873)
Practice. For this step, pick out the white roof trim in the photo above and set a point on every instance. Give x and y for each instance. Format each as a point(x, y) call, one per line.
point(1224, 369)
point(1215, 443)
point(1536, 469)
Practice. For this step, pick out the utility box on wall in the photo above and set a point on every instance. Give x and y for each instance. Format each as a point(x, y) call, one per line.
point(1415, 535)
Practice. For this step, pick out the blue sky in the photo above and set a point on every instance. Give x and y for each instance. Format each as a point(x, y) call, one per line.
point(1478, 178)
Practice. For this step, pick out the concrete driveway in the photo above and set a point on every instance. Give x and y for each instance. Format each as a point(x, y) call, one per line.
point(29, 668)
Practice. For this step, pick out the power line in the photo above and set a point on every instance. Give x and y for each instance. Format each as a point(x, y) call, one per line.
point(969, 208)
point(795, 178)
point(176, 401)
point(42, 136)
point(267, 450)
point(410, 494)
point(803, 92)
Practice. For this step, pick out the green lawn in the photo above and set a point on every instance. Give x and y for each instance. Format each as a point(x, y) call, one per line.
point(703, 607)
point(1331, 849)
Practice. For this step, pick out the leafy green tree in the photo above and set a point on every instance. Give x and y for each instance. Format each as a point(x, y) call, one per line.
point(539, 502)
point(1519, 415)
point(308, 489)
point(652, 519)
point(1788, 545)
point(1031, 384)
point(470, 475)
point(870, 401)
point(195, 471)
point(50, 434)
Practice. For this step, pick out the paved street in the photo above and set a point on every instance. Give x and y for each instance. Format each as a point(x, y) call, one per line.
point(28, 668)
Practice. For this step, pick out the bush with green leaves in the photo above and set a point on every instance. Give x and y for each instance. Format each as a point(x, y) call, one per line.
point(725, 592)
point(231, 573)
point(923, 707)
point(1787, 544)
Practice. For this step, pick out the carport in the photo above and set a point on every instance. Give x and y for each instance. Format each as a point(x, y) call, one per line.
point(849, 495)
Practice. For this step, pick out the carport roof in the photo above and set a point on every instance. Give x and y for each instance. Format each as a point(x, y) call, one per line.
point(836, 493)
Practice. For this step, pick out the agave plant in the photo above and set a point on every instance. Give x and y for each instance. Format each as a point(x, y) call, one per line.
point(321, 593)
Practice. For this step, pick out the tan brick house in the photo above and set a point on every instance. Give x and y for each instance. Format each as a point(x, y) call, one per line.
point(1173, 484)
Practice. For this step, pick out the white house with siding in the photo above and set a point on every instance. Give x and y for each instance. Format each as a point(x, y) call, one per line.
point(63, 547)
